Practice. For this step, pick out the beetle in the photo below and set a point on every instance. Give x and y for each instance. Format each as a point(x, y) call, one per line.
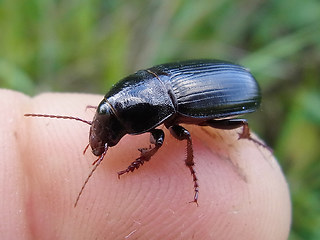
point(201, 92)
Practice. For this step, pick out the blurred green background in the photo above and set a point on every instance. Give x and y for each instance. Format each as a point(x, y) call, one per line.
point(86, 46)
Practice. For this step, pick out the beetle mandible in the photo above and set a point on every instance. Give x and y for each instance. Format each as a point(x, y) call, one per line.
point(200, 92)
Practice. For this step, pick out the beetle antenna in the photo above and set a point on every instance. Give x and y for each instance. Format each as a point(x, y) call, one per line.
point(96, 164)
point(85, 149)
point(90, 106)
point(57, 116)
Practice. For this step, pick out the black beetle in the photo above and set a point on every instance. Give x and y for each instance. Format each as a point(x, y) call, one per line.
point(201, 92)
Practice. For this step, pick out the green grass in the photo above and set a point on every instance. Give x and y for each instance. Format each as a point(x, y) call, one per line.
point(86, 46)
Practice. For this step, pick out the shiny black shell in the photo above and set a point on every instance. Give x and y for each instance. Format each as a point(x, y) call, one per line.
point(183, 92)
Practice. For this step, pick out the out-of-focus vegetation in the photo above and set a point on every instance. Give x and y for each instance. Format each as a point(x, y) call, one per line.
point(86, 46)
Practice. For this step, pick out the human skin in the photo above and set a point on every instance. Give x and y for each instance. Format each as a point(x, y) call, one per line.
point(243, 193)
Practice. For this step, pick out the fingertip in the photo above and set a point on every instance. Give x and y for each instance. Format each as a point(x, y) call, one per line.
point(239, 182)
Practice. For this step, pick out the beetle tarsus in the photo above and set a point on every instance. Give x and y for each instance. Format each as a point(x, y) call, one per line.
point(246, 135)
point(156, 138)
point(195, 198)
point(260, 143)
point(134, 165)
point(181, 134)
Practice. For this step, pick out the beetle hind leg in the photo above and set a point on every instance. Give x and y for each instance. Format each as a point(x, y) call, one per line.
point(181, 133)
point(228, 124)
point(156, 138)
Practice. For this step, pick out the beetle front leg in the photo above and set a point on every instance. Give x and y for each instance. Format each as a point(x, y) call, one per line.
point(181, 133)
point(156, 138)
point(233, 124)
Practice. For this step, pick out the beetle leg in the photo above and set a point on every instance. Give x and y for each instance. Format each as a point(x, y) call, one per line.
point(230, 124)
point(181, 133)
point(233, 124)
point(156, 138)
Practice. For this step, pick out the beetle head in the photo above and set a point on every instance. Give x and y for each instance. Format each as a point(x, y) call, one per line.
point(106, 130)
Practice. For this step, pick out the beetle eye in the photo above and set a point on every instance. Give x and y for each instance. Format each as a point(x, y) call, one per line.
point(103, 109)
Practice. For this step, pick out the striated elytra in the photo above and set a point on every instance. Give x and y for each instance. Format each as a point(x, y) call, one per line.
point(200, 92)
